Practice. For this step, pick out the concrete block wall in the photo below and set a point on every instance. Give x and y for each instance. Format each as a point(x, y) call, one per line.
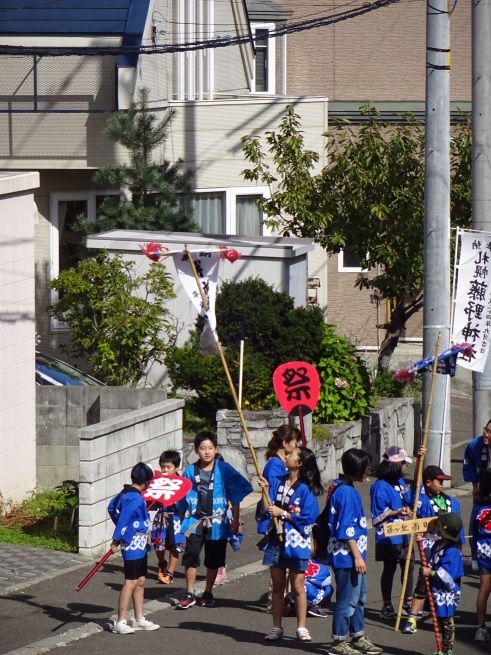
point(394, 422)
point(108, 451)
point(62, 411)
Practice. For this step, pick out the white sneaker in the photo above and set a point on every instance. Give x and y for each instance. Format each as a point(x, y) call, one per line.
point(481, 634)
point(122, 628)
point(143, 624)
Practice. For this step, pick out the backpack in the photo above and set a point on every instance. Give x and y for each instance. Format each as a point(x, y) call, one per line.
point(320, 530)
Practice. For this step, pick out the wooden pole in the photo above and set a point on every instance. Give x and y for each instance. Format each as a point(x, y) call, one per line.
point(204, 300)
point(418, 477)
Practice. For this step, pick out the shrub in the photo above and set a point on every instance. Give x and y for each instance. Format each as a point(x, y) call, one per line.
point(385, 387)
point(344, 381)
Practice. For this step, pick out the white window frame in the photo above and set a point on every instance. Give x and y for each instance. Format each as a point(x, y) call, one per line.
point(54, 236)
point(348, 269)
point(231, 194)
point(271, 60)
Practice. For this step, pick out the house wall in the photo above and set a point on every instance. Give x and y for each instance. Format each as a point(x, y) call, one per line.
point(377, 56)
point(108, 452)
point(17, 385)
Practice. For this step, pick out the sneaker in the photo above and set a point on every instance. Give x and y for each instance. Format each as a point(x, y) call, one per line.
point(315, 610)
point(162, 571)
point(482, 634)
point(221, 575)
point(409, 627)
point(344, 648)
point(275, 634)
point(122, 628)
point(167, 578)
point(364, 645)
point(388, 612)
point(207, 599)
point(187, 601)
point(144, 624)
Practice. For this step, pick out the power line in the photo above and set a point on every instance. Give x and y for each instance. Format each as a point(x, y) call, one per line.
point(217, 42)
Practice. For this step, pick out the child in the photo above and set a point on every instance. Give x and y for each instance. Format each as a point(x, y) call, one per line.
point(167, 525)
point(432, 501)
point(129, 512)
point(388, 506)
point(318, 588)
point(215, 485)
point(445, 569)
point(346, 553)
point(482, 535)
point(295, 507)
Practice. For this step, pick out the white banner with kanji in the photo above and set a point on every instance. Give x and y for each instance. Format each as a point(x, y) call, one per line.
point(206, 264)
point(472, 315)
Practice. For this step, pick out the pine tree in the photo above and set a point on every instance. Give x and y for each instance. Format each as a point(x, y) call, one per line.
point(149, 190)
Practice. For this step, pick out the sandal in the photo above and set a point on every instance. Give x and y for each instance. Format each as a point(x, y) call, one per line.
point(303, 634)
point(275, 634)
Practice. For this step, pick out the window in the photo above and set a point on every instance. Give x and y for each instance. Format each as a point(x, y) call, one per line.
point(227, 211)
point(348, 262)
point(265, 62)
point(66, 243)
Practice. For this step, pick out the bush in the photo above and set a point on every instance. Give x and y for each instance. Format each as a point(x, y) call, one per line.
point(385, 387)
point(275, 332)
point(345, 389)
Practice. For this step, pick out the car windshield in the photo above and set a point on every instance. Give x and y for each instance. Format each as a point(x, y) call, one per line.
point(53, 371)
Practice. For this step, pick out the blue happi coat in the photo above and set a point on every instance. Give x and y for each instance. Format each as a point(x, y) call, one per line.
point(476, 459)
point(347, 521)
point(166, 527)
point(229, 486)
point(384, 497)
point(129, 512)
point(427, 509)
point(446, 560)
point(481, 530)
point(303, 509)
point(274, 472)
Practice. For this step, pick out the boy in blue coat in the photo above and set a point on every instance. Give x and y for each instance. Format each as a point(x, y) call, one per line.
point(445, 570)
point(129, 512)
point(206, 522)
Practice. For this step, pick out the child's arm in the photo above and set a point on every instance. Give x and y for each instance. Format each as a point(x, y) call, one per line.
point(235, 522)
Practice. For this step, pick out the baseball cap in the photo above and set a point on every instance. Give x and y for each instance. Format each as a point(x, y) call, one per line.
point(396, 454)
point(434, 473)
point(450, 524)
point(141, 473)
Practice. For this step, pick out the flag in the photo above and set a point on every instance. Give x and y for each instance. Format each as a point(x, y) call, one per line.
point(472, 316)
point(446, 363)
point(206, 264)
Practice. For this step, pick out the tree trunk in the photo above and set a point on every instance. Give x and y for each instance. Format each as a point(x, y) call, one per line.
point(394, 328)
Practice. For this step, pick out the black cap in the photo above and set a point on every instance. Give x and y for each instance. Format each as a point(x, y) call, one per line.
point(141, 473)
point(435, 473)
point(450, 524)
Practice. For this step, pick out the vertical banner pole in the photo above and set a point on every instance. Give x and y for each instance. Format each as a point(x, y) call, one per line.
point(204, 300)
point(418, 478)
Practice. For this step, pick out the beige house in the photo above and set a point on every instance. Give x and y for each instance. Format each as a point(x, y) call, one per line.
point(54, 109)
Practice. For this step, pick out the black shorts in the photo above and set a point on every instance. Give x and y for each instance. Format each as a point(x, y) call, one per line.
point(135, 568)
point(215, 552)
point(392, 552)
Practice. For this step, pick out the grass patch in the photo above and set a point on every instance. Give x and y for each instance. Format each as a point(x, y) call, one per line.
point(48, 519)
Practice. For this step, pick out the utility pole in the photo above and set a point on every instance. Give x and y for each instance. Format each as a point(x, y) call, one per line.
point(481, 174)
point(436, 307)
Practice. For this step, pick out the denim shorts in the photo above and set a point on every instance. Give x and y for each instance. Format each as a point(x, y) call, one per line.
point(273, 556)
point(484, 571)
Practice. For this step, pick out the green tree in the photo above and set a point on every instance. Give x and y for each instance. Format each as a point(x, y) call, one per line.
point(149, 191)
point(274, 332)
point(118, 320)
point(370, 199)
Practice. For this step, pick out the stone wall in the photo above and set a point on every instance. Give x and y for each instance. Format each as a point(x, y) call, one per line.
point(108, 452)
point(395, 422)
point(62, 411)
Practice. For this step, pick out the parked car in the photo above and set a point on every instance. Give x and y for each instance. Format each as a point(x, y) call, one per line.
point(52, 371)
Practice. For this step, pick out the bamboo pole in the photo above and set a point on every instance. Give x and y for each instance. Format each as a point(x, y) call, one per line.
point(418, 478)
point(204, 300)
